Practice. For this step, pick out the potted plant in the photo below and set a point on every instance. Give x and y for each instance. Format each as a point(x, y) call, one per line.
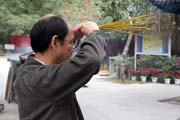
point(167, 76)
point(143, 74)
point(132, 74)
point(169, 65)
point(177, 78)
point(155, 73)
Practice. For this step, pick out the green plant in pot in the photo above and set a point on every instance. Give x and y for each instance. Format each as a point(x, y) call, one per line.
point(168, 66)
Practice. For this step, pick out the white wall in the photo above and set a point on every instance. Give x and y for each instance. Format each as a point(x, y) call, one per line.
point(4, 69)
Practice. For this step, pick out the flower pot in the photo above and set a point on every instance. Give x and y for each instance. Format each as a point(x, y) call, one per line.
point(177, 81)
point(154, 79)
point(143, 78)
point(167, 80)
point(133, 78)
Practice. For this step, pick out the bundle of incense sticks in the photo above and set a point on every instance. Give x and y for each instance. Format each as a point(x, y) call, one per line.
point(142, 23)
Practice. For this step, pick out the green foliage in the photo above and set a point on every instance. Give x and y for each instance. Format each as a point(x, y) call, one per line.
point(78, 11)
point(18, 16)
point(169, 63)
point(144, 61)
point(121, 9)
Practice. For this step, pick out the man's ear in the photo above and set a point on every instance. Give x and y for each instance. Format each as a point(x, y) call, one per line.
point(54, 42)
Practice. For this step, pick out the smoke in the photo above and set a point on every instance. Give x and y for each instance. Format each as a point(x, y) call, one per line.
point(24, 48)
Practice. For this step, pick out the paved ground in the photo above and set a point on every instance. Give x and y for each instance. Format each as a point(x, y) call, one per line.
point(105, 100)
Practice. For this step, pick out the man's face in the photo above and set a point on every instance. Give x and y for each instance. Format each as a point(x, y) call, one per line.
point(65, 50)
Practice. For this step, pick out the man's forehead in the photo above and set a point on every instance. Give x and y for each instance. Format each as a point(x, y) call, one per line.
point(47, 16)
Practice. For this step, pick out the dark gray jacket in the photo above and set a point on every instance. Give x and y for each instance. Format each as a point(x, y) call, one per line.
point(48, 92)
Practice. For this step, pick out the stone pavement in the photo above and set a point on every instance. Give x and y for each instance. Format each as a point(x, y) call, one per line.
point(106, 100)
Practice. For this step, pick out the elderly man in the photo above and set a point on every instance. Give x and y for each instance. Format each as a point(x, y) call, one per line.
point(46, 83)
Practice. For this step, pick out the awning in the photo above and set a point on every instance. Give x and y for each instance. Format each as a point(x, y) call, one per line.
point(171, 6)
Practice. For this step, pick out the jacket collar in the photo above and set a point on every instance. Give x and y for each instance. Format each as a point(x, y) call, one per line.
point(32, 60)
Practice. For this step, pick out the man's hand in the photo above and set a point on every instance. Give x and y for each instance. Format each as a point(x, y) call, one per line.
point(86, 27)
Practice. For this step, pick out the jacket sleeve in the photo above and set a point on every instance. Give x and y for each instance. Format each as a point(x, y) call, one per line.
point(58, 81)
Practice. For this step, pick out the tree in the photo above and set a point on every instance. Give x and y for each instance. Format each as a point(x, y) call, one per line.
point(18, 16)
point(120, 9)
point(78, 11)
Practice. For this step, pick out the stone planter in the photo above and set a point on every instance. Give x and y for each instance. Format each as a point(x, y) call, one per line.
point(154, 79)
point(167, 80)
point(143, 78)
point(177, 81)
point(1, 107)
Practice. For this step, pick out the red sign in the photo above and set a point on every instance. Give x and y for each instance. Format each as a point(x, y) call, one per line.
point(20, 42)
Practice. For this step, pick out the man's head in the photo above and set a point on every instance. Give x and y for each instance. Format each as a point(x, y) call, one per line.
point(52, 35)
point(44, 30)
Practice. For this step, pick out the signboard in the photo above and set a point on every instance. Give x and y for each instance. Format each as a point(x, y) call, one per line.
point(9, 47)
point(152, 45)
point(21, 42)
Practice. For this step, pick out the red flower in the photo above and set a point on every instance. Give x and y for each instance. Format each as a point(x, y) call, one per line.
point(177, 74)
point(132, 71)
point(155, 72)
point(168, 74)
point(144, 72)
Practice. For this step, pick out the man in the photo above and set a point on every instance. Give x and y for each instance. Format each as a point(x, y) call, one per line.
point(46, 83)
